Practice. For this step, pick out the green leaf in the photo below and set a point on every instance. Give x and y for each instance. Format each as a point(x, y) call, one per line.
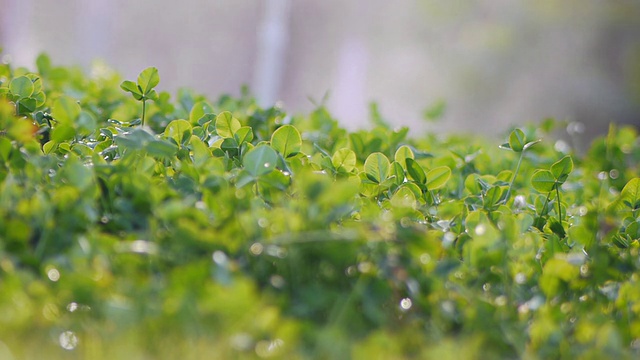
point(40, 98)
point(404, 152)
point(562, 168)
point(286, 140)
point(543, 181)
point(628, 198)
point(260, 160)
point(226, 124)
point(37, 82)
point(344, 158)
point(198, 110)
point(403, 198)
point(25, 106)
point(438, 177)
point(133, 88)
point(492, 198)
point(65, 110)
point(397, 172)
point(244, 135)
point(179, 130)
point(517, 140)
point(76, 174)
point(415, 171)
point(161, 148)
point(21, 87)
point(148, 79)
point(530, 144)
point(43, 63)
point(5, 148)
point(376, 167)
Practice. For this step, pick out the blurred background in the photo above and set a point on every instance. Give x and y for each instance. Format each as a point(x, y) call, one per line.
point(494, 63)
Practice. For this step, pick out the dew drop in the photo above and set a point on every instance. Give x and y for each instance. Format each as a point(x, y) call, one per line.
point(614, 173)
point(425, 258)
point(501, 300)
point(480, 230)
point(53, 274)
point(68, 340)
point(405, 304)
point(277, 281)
point(219, 258)
point(562, 146)
point(263, 222)
point(267, 164)
point(256, 249)
point(73, 306)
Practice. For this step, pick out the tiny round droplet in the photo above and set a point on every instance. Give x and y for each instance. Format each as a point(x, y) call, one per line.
point(405, 304)
point(53, 274)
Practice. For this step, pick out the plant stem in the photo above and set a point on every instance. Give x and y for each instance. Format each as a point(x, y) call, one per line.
point(144, 103)
point(506, 199)
point(559, 207)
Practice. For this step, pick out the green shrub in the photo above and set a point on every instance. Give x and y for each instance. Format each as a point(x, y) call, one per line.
point(151, 227)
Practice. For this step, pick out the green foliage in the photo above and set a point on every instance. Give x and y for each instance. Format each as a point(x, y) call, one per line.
point(143, 90)
point(225, 228)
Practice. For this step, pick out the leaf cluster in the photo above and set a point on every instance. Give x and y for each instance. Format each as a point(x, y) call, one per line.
point(223, 227)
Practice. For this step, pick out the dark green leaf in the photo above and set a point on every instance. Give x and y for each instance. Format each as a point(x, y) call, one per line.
point(415, 171)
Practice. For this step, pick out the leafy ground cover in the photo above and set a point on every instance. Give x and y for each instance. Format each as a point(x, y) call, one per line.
point(136, 225)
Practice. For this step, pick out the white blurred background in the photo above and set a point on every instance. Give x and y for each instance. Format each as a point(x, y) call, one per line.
point(495, 63)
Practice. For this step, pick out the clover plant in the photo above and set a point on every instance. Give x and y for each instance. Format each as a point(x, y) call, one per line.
point(224, 229)
point(143, 90)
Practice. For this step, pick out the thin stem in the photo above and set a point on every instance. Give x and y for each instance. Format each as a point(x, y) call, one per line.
point(144, 108)
point(559, 207)
point(513, 179)
point(544, 208)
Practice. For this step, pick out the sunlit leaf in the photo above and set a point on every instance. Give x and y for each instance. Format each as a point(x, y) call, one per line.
point(344, 158)
point(404, 152)
point(226, 124)
point(286, 140)
point(438, 177)
point(629, 198)
point(376, 167)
